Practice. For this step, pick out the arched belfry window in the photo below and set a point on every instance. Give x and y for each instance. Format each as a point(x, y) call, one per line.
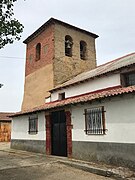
point(38, 51)
point(68, 46)
point(83, 50)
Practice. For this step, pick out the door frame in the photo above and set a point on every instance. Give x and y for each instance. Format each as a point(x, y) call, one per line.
point(59, 133)
point(69, 127)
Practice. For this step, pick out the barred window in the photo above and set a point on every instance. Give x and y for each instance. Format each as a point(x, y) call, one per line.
point(95, 120)
point(33, 124)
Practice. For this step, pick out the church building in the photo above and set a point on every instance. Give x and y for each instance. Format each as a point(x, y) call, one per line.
point(72, 107)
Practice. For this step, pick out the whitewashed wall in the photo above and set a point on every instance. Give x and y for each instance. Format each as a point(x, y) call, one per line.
point(89, 86)
point(20, 128)
point(119, 116)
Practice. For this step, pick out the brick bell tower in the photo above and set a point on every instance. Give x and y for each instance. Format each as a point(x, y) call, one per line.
point(56, 52)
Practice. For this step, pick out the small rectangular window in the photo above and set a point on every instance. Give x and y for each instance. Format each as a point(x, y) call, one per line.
point(128, 79)
point(95, 121)
point(33, 124)
point(61, 96)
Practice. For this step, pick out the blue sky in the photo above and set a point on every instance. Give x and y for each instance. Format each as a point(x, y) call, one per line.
point(112, 20)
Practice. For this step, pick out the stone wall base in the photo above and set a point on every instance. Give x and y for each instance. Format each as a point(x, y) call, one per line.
point(119, 154)
point(29, 145)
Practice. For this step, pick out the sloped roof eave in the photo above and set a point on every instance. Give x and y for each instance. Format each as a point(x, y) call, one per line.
point(99, 71)
point(4, 116)
point(53, 21)
point(87, 79)
point(89, 97)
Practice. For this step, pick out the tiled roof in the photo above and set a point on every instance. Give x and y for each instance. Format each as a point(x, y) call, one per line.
point(4, 116)
point(109, 92)
point(100, 70)
point(53, 21)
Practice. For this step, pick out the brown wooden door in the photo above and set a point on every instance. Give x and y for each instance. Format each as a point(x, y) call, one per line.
point(5, 132)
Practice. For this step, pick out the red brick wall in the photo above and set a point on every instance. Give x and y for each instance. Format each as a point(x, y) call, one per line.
point(46, 38)
point(69, 133)
point(48, 134)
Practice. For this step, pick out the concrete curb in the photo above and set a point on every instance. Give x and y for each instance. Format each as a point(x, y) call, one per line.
point(94, 170)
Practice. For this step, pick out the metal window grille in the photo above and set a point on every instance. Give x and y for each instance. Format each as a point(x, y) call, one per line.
point(33, 124)
point(95, 121)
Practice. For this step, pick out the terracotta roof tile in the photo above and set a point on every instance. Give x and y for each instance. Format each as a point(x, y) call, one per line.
point(4, 116)
point(100, 94)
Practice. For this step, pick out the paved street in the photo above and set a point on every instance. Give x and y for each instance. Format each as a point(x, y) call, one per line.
point(19, 165)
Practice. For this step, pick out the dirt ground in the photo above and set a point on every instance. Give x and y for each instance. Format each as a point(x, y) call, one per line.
point(19, 165)
point(47, 172)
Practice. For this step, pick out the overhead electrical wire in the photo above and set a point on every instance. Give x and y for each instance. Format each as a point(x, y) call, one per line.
point(10, 57)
